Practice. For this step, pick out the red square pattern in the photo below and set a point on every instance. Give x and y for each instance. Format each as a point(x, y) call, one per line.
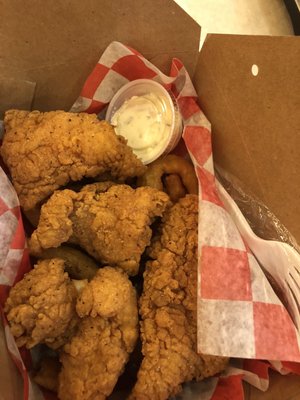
point(95, 107)
point(132, 67)
point(168, 87)
point(24, 266)
point(18, 240)
point(16, 211)
point(188, 106)
point(174, 90)
point(208, 187)
point(257, 367)
point(225, 274)
point(198, 141)
point(291, 367)
point(229, 388)
point(94, 80)
point(175, 67)
point(274, 332)
point(3, 207)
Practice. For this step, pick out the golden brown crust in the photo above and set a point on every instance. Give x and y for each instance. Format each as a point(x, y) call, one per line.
point(41, 307)
point(168, 307)
point(55, 226)
point(112, 226)
point(174, 187)
point(96, 355)
point(77, 264)
point(44, 151)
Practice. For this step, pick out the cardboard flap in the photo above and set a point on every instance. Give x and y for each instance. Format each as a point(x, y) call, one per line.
point(58, 47)
point(15, 93)
point(255, 115)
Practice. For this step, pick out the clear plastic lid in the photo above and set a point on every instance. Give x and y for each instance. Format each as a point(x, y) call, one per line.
point(144, 112)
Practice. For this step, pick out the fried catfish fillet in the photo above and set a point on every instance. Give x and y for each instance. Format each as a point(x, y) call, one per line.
point(41, 307)
point(111, 223)
point(168, 308)
point(45, 151)
point(96, 355)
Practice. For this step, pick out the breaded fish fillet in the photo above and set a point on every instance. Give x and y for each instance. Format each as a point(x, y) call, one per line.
point(168, 308)
point(45, 151)
point(96, 355)
point(112, 225)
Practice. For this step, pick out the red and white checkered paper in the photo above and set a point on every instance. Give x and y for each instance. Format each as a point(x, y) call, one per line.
point(238, 312)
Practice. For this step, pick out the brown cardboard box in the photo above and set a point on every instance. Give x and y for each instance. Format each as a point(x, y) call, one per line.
point(256, 119)
point(48, 48)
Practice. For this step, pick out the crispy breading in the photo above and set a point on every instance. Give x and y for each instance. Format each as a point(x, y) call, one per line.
point(77, 264)
point(45, 151)
point(112, 226)
point(173, 174)
point(41, 307)
point(168, 307)
point(96, 355)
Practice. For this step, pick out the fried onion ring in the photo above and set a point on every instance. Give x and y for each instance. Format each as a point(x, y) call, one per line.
point(171, 165)
point(174, 187)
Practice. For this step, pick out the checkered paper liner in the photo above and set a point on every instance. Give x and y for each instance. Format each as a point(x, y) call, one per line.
point(238, 312)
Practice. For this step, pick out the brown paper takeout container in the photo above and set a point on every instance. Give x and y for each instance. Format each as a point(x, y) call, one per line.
point(47, 49)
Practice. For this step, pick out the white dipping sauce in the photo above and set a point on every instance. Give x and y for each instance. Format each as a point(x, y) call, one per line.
point(145, 121)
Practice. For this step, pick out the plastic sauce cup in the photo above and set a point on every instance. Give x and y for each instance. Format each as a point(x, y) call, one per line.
point(165, 106)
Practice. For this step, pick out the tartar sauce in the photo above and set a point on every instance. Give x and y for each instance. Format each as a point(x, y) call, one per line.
point(145, 121)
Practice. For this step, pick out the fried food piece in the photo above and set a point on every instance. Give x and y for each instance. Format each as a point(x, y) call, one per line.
point(113, 227)
point(33, 215)
point(45, 151)
point(41, 307)
point(77, 264)
point(174, 187)
point(171, 165)
point(96, 355)
point(47, 375)
point(168, 307)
